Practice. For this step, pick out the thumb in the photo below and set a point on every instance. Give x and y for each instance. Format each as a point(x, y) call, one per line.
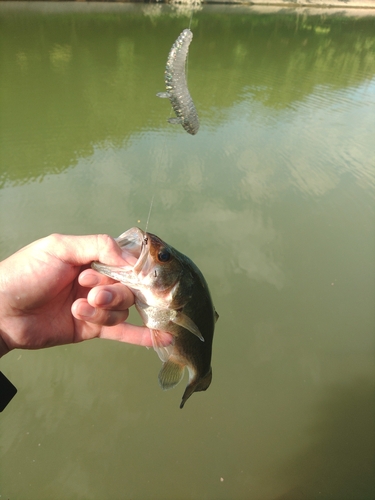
point(81, 250)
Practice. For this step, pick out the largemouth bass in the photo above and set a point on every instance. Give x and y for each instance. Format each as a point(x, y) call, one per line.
point(171, 295)
point(176, 86)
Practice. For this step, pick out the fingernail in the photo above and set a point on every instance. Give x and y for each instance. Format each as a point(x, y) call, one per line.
point(104, 298)
point(86, 310)
point(89, 280)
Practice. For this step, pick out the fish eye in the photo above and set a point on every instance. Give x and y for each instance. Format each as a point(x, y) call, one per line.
point(164, 255)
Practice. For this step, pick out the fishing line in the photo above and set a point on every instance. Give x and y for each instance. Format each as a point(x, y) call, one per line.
point(191, 17)
point(149, 212)
point(187, 59)
point(175, 80)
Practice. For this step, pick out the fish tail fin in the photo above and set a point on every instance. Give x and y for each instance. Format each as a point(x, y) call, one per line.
point(170, 374)
point(201, 384)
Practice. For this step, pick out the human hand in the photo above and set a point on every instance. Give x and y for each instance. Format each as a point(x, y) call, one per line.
point(49, 296)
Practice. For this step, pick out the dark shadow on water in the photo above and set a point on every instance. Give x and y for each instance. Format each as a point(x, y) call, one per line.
point(340, 464)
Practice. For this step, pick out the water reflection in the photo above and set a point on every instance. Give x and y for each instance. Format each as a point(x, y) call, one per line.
point(347, 441)
point(274, 200)
point(280, 62)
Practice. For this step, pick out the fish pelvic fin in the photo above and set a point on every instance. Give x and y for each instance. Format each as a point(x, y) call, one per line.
point(164, 95)
point(170, 374)
point(201, 384)
point(175, 121)
point(163, 351)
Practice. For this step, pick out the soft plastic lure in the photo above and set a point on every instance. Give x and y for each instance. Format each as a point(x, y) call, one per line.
point(175, 83)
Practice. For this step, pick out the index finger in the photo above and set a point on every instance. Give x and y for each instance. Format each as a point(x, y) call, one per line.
point(81, 250)
point(132, 334)
point(90, 278)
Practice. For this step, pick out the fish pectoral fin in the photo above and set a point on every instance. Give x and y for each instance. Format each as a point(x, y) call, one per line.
point(163, 351)
point(184, 321)
point(216, 316)
point(175, 121)
point(170, 374)
point(164, 95)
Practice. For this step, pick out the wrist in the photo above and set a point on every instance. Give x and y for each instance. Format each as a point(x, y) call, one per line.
point(4, 349)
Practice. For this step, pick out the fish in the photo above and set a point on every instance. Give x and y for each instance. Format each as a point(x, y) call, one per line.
point(176, 86)
point(171, 295)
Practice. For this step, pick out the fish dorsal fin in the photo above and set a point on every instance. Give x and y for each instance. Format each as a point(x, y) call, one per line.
point(184, 321)
point(170, 374)
point(216, 316)
point(163, 351)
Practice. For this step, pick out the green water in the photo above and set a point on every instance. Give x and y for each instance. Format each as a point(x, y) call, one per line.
point(273, 199)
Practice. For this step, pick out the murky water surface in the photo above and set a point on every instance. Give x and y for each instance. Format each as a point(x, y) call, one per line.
point(273, 199)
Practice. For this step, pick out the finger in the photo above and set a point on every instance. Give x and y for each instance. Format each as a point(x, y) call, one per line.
point(116, 297)
point(90, 278)
point(81, 250)
point(83, 311)
point(132, 334)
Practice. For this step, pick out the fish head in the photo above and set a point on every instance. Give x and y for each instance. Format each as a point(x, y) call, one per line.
point(155, 270)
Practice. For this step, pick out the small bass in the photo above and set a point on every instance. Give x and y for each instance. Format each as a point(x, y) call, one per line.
point(175, 82)
point(171, 295)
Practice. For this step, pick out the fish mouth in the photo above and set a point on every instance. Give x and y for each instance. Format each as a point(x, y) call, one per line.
point(135, 252)
point(134, 245)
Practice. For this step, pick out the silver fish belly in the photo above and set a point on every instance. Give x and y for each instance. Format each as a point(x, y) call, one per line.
point(176, 86)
